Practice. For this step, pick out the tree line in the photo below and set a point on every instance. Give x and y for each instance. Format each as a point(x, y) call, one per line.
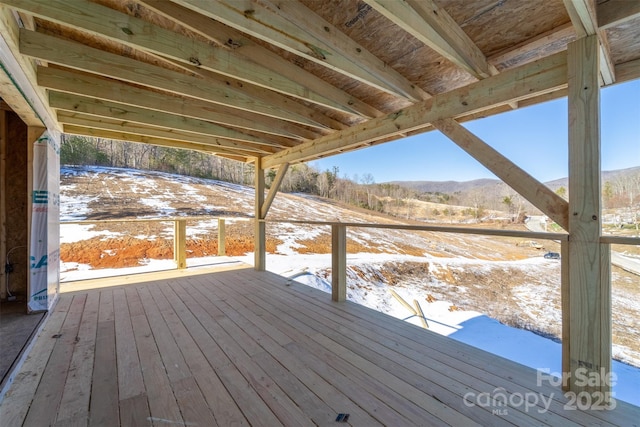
point(360, 191)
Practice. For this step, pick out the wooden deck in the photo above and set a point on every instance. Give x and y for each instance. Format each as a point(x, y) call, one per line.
point(240, 347)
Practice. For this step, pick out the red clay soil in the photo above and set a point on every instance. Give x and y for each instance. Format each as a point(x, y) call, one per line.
point(126, 251)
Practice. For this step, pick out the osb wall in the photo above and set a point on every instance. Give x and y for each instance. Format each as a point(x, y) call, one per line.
point(16, 202)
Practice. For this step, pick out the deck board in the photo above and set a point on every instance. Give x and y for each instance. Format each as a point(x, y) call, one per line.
point(44, 408)
point(387, 364)
point(16, 402)
point(249, 348)
point(77, 389)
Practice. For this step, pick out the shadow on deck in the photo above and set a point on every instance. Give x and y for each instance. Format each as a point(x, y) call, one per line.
point(241, 347)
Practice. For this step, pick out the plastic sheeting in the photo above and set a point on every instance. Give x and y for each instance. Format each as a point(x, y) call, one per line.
point(45, 224)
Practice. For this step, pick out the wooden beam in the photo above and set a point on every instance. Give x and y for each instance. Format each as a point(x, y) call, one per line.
point(338, 262)
point(434, 27)
point(90, 85)
point(275, 186)
point(522, 52)
point(81, 124)
point(542, 76)
point(628, 71)
point(160, 142)
point(139, 34)
point(216, 89)
point(227, 137)
point(615, 12)
point(297, 29)
point(565, 303)
point(524, 184)
point(245, 46)
point(583, 18)
point(260, 238)
point(18, 85)
point(589, 281)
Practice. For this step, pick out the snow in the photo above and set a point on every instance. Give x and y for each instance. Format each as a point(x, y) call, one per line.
point(71, 233)
point(366, 284)
point(76, 208)
point(161, 206)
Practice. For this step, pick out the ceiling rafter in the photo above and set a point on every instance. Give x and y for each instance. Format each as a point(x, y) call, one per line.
point(145, 36)
point(615, 12)
point(540, 42)
point(434, 27)
point(297, 29)
point(232, 138)
point(161, 142)
point(80, 83)
point(242, 45)
point(584, 20)
point(18, 78)
point(122, 126)
point(223, 91)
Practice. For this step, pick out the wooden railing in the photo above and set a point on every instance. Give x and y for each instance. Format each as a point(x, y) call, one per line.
point(339, 239)
point(179, 233)
point(339, 243)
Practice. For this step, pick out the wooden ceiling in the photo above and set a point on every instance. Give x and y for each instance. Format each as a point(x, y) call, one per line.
point(295, 80)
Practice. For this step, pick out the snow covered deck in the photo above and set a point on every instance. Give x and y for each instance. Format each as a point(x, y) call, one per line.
point(241, 347)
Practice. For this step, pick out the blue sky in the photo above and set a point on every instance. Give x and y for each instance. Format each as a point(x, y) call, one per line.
point(535, 138)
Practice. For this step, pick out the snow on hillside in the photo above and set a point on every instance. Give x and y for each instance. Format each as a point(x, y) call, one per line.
point(421, 266)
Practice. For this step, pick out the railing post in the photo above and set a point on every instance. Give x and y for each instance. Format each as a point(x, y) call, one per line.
point(565, 298)
point(221, 237)
point(180, 243)
point(338, 262)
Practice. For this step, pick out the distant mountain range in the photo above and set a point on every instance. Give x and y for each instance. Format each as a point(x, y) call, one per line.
point(451, 187)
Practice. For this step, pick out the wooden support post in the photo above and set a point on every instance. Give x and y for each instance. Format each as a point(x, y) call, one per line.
point(221, 237)
point(260, 239)
point(589, 272)
point(3, 209)
point(566, 311)
point(180, 243)
point(338, 262)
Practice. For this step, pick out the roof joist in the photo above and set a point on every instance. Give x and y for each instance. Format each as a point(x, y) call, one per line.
point(89, 85)
point(142, 35)
point(615, 12)
point(240, 44)
point(18, 78)
point(214, 88)
point(99, 124)
point(295, 28)
point(433, 26)
point(144, 139)
point(107, 109)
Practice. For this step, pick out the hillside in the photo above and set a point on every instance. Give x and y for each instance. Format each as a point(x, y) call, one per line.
point(496, 276)
point(490, 193)
point(448, 187)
